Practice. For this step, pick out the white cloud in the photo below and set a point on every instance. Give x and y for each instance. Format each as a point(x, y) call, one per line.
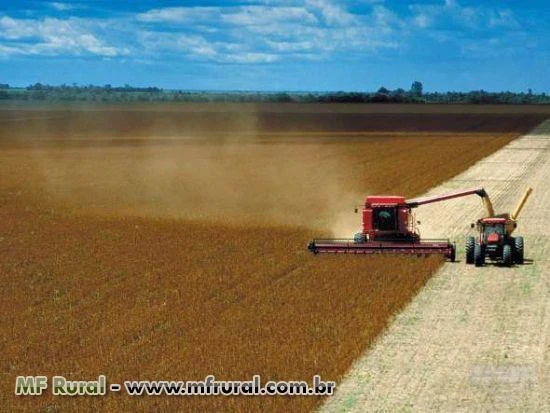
point(466, 17)
point(9, 50)
point(260, 15)
point(333, 13)
point(384, 19)
point(198, 47)
point(263, 31)
point(15, 29)
point(61, 6)
point(251, 57)
point(268, 31)
point(291, 47)
point(241, 16)
point(503, 18)
point(422, 20)
point(179, 14)
point(51, 36)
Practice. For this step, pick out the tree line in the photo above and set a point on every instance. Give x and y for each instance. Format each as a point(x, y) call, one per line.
point(127, 93)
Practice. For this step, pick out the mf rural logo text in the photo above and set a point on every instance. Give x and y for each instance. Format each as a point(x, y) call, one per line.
point(36, 385)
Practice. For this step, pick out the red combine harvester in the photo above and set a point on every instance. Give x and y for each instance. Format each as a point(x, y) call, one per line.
point(389, 227)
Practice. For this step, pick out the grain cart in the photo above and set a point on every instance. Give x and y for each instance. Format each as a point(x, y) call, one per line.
point(495, 240)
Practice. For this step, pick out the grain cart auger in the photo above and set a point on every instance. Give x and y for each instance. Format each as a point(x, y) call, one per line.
point(388, 226)
point(495, 240)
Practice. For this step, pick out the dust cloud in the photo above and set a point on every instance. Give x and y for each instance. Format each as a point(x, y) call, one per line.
point(346, 223)
point(237, 167)
point(233, 178)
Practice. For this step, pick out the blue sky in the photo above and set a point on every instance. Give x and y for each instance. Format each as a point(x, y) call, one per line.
point(278, 44)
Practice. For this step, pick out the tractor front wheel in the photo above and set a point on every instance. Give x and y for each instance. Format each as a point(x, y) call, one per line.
point(470, 246)
point(507, 255)
point(479, 256)
point(518, 246)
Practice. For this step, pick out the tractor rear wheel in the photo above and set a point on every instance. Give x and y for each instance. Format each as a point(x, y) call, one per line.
point(507, 255)
point(479, 256)
point(518, 244)
point(470, 245)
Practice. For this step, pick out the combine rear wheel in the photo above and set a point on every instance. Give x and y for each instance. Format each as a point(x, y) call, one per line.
point(470, 246)
point(479, 256)
point(518, 249)
point(507, 255)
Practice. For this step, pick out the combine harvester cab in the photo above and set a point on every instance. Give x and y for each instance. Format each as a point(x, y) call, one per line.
point(495, 240)
point(388, 226)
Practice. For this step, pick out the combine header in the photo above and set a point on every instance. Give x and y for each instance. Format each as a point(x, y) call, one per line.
point(389, 227)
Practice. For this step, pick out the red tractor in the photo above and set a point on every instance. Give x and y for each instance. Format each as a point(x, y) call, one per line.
point(389, 227)
point(495, 240)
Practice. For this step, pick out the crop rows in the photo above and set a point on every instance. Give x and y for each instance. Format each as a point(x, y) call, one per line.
point(174, 261)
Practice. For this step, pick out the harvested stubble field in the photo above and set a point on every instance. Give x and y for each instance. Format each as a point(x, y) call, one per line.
point(168, 242)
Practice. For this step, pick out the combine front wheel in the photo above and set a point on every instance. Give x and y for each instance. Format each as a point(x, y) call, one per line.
point(359, 238)
point(452, 255)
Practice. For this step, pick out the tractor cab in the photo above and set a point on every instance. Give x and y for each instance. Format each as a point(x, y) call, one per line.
point(493, 230)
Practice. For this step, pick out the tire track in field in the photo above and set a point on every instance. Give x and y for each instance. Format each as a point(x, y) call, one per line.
point(473, 338)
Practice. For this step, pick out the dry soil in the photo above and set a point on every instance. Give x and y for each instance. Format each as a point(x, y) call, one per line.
point(474, 339)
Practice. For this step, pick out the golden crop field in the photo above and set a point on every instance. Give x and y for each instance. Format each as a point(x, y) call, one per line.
point(169, 244)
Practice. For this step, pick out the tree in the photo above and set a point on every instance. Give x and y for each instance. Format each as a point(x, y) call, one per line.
point(416, 88)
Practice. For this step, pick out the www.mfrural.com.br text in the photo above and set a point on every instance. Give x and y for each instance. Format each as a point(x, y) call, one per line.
point(209, 386)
